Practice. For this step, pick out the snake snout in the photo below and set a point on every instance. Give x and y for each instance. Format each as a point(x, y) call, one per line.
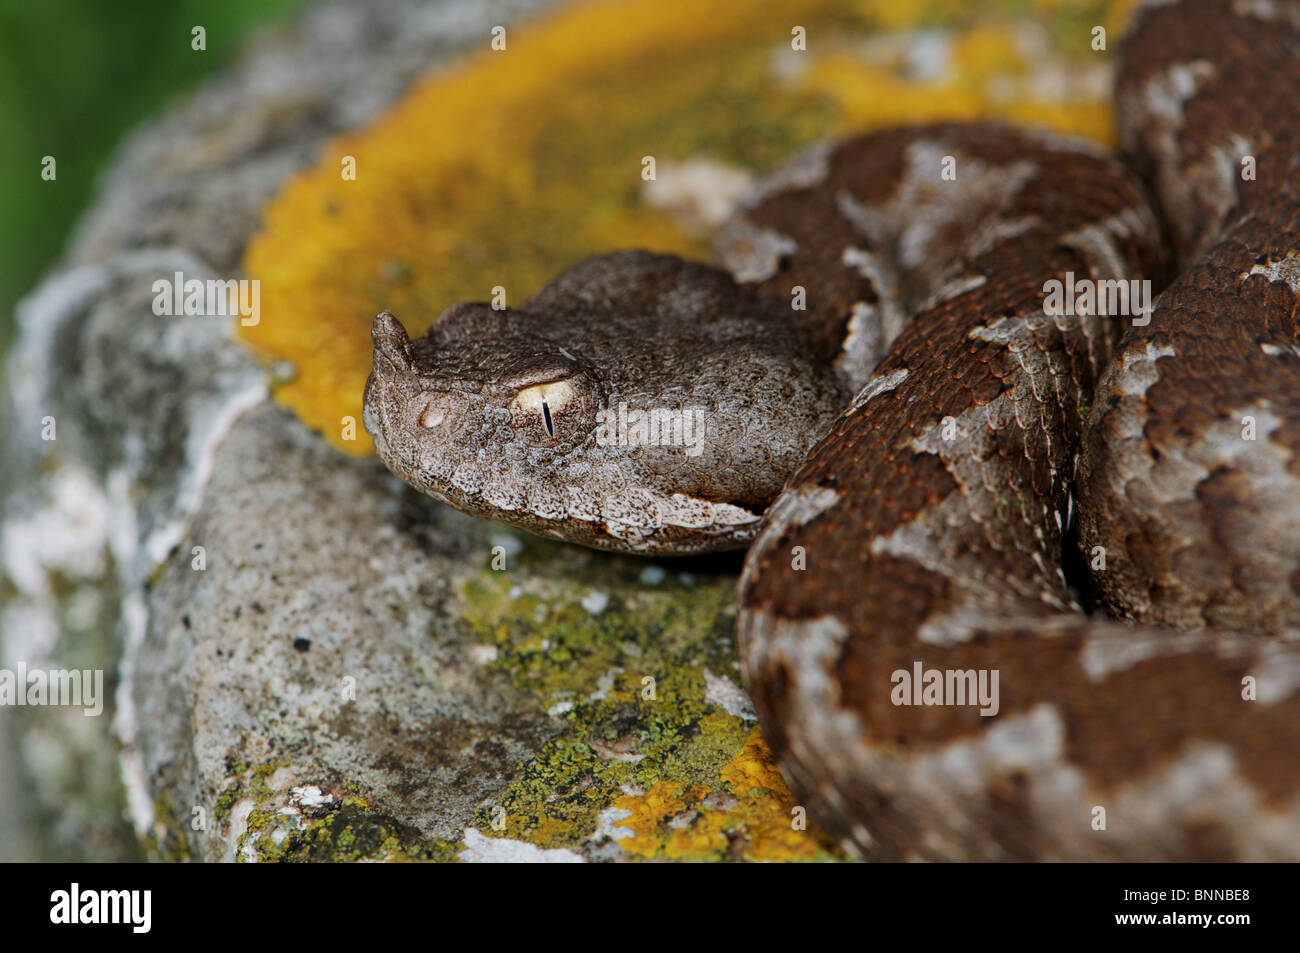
point(391, 341)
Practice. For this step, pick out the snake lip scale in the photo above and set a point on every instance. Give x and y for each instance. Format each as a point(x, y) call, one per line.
point(908, 456)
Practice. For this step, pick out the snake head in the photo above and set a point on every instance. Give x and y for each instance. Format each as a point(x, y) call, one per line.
point(483, 411)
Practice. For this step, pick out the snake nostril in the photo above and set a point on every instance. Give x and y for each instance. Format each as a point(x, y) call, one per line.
point(432, 415)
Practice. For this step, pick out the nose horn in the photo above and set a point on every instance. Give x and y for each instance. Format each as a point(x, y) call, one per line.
point(391, 340)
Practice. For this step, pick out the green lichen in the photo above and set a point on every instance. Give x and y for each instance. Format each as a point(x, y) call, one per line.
point(670, 626)
point(167, 840)
point(555, 647)
point(349, 830)
point(352, 831)
point(248, 781)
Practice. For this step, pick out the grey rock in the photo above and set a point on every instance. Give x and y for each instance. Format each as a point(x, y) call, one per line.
point(165, 441)
point(321, 638)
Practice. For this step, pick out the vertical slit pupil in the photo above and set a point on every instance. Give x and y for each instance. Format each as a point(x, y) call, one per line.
point(546, 418)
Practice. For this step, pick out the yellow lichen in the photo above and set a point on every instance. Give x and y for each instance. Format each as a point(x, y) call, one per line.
point(651, 811)
point(755, 770)
point(510, 165)
point(756, 822)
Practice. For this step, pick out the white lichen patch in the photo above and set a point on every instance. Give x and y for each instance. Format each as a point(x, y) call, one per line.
point(501, 850)
point(605, 685)
point(607, 826)
point(239, 816)
point(595, 601)
point(726, 694)
point(68, 534)
point(310, 799)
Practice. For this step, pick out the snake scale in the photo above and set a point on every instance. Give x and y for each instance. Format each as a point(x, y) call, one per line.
point(881, 396)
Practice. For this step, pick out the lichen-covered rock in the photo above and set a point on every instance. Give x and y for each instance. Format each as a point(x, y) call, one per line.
point(315, 633)
point(113, 417)
point(303, 659)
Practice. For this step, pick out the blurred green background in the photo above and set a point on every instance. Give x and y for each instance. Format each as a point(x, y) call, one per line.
point(75, 76)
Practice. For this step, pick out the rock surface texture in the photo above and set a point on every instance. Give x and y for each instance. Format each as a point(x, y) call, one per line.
point(302, 658)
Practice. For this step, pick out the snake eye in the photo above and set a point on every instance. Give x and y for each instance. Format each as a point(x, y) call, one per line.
point(544, 399)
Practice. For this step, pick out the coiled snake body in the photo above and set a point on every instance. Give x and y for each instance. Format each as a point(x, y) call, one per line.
point(907, 551)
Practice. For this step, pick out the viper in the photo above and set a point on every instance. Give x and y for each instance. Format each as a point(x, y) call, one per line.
point(949, 473)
